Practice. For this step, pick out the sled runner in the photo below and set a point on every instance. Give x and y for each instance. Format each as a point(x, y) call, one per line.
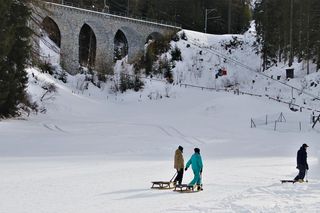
point(185, 188)
point(162, 185)
point(293, 181)
point(288, 181)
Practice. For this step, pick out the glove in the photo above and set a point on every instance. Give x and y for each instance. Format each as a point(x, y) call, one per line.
point(297, 167)
point(200, 170)
point(186, 169)
point(307, 167)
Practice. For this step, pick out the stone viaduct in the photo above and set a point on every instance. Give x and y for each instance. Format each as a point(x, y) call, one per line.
point(94, 39)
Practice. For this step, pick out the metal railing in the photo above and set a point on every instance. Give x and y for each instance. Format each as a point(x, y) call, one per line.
point(115, 13)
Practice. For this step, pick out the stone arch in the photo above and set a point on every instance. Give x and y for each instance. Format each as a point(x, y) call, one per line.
point(121, 47)
point(52, 29)
point(153, 42)
point(87, 46)
point(155, 36)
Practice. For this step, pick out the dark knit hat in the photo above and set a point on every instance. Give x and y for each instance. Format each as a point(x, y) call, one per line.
point(197, 150)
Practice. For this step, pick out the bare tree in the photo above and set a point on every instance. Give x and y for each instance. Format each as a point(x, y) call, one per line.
point(49, 88)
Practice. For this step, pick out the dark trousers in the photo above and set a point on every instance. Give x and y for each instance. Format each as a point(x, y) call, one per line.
point(179, 177)
point(302, 172)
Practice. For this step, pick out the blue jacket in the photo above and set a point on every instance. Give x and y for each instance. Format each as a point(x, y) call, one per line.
point(196, 162)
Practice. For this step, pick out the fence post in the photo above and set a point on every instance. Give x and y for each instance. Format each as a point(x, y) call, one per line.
point(267, 119)
point(252, 123)
point(281, 117)
point(300, 125)
point(275, 125)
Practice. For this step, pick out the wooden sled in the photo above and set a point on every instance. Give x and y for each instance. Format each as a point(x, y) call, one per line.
point(185, 188)
point(162, 185)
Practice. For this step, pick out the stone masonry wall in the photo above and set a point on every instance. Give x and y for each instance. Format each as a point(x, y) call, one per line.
point(70, 21)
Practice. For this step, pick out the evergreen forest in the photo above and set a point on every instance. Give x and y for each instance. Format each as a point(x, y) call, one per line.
point(288, 29)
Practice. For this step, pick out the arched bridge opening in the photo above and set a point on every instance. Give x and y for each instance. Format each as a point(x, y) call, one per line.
point(87, 46)
point(155, 36)
point(155, 44)
point(52, 30)
point(120, 46)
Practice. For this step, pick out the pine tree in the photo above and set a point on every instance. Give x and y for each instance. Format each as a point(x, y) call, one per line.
point(14, 53)
point(288, 29)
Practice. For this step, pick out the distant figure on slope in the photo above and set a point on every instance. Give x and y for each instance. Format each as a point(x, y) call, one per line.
point(302, 164)
point(179, 164)
point(197, 166)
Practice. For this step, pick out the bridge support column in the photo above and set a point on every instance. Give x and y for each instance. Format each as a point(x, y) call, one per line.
point(136, 49)
point(104, 53)
point(70, 51)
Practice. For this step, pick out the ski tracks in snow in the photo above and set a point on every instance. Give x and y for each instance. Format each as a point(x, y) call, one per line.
point(174, 132)
point(53, 127)
point(168, 130)
point(275, 198)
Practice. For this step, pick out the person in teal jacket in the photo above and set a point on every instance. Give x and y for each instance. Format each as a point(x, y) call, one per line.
point(197, 166)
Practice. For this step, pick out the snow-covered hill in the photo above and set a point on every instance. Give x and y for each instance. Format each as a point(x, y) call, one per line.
point(93, 150)
point(203, 55)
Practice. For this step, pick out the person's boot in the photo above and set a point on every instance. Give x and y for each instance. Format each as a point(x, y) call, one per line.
point(199, 187)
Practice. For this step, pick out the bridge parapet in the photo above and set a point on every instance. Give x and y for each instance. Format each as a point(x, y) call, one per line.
point(115, 14)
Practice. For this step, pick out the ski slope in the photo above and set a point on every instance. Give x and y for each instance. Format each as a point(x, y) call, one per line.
point(96, 151)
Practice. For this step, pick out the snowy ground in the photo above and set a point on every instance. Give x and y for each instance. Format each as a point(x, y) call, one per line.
point(96, 151)
point(88, 155)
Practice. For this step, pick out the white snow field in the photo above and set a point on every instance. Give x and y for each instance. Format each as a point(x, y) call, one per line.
point(94, 156)
point(97, 152)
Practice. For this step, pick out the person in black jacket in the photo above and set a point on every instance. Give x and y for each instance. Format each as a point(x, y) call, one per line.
point(302, 164)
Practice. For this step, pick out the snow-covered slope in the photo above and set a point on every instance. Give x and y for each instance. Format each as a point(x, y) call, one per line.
point(203, 55)
point(97, 151)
